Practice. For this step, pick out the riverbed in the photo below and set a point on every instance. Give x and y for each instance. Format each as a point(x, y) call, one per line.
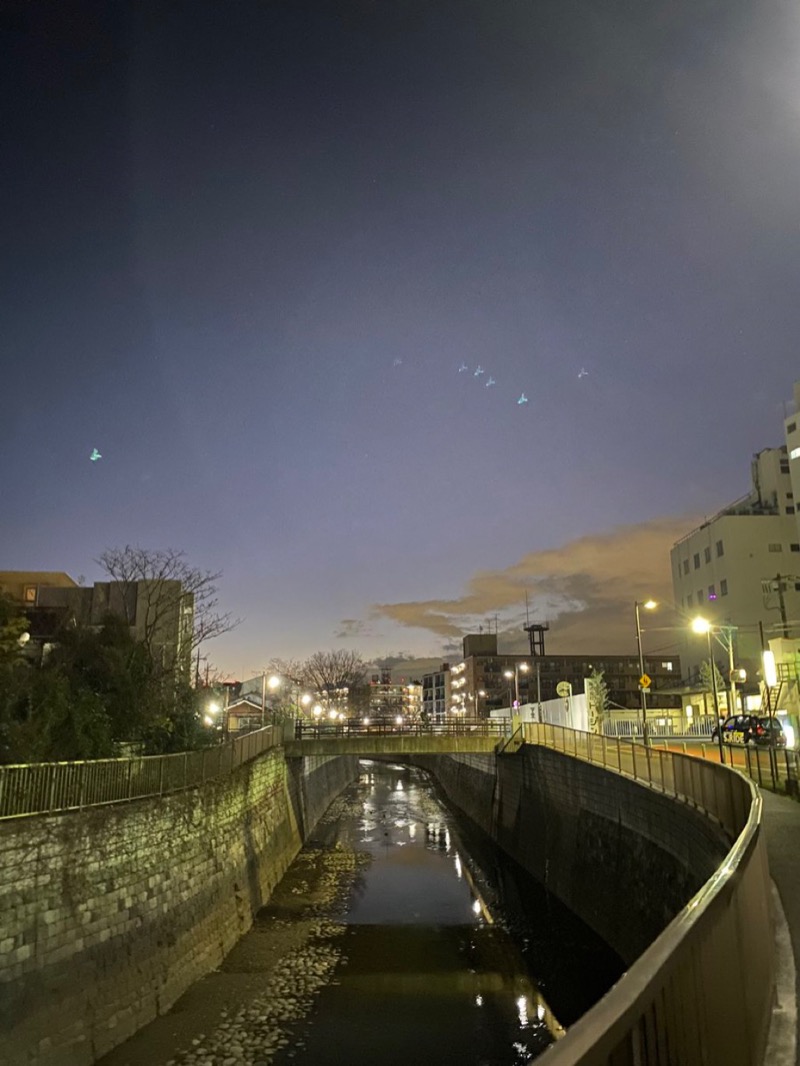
point(398, 933)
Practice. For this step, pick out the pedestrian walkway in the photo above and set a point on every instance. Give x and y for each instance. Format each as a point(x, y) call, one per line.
point(781, 821)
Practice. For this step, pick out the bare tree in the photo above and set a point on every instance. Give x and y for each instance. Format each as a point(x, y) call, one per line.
point(291, 669)
point(326, 671)
point(158, 590)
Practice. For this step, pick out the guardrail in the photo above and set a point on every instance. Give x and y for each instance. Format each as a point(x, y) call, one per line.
point(48, 788)
point(672, 1005)
point(322, 730)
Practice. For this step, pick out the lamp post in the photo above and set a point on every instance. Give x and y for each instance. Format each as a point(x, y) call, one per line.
point(701, 625)
point(507, 673)
point(648, 605)
point(475, 697)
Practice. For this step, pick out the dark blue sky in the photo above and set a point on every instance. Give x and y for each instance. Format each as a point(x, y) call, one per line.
point(224, 224)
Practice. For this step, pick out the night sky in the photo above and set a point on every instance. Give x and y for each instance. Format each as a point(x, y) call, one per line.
point(247, 246)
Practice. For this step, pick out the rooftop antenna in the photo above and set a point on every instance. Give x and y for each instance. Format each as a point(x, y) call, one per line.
point(527, 612)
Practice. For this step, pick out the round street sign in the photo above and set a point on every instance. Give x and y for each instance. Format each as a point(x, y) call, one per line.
point(563, 688)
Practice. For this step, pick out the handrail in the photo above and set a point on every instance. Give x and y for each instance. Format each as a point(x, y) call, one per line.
point(28, 789)
point(669, 1007)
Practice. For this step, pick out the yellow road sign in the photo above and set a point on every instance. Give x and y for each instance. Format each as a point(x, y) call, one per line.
point(645, 681)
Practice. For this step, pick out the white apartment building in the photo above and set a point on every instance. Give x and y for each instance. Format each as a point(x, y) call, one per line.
point(742, 567)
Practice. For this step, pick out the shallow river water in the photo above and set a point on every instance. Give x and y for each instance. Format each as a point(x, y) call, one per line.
point(398, 934)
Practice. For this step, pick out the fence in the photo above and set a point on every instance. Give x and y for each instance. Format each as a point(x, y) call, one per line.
point(672, 1004)
point(47, 788)
point(306, 729)
point(699, 728)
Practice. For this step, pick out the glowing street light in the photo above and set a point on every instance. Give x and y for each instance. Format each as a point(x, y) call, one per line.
point(702, 625)
point(649, 605)
point(524, 667)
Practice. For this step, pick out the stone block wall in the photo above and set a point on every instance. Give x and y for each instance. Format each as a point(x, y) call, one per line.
point(108, 915)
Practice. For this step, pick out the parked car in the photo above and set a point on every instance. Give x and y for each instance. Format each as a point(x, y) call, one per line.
point(751, 729)
point(736, 729)
point(771, 732)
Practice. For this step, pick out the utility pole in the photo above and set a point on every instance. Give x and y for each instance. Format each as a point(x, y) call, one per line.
point(539, 688)
point(766, 684)
point(782, 604)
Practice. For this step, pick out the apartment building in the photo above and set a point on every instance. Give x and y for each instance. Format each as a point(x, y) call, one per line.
point(480, 683)
point(741, 568)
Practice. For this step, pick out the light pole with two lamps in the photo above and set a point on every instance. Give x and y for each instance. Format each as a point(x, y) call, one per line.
point(524, 667)
point(477, 695)
point(702, 625)
point(649, 605)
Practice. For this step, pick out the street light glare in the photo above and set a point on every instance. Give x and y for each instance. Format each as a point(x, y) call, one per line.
point(274, 681)
point(700, 625)
point(649, 605)
point(524, 667)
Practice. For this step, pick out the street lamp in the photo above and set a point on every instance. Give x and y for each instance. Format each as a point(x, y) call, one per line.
point(508, 673)
point(648, 605)
point(478, 694)
point(701, 625)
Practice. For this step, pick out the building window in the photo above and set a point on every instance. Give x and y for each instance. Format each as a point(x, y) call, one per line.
point(794, 547)
point(689, 600)
point(784, 466)
point(790, 510)
point(789, 495)
point(723, 587)
point(712, 592)
point(667, 666)
point(720, 549)
point(699, 597)
point(791, 427)
point(794, 453)
point(30, 594)
point(686, 566)
point(697, 560)
point(707, 554)
point(776, 547)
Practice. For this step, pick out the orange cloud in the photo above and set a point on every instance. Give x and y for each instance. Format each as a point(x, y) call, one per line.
point(585, 589)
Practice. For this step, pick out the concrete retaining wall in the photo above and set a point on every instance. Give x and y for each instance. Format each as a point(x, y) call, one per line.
point(110, 914)
point(623, 857)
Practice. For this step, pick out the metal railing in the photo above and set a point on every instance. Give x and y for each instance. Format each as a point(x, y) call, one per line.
point(322, 730)
point(48, 788)
point(670, 1007)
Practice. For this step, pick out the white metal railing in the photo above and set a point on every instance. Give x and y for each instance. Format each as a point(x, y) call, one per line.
point(46, 788)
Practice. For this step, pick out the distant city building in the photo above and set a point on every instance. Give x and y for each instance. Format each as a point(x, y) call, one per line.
point(436, 694)
point(741, 568)
point(390, 699)
point(479, 683)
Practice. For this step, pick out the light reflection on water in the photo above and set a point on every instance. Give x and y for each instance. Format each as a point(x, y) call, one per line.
point(427, 970)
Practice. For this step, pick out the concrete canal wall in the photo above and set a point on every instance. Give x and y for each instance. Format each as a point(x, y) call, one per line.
point(623, 857)
point(108, 915)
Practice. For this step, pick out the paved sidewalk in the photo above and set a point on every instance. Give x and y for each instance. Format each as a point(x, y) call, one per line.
point(781, 819)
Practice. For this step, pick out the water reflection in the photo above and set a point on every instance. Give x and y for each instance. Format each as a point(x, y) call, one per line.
point(428, 968)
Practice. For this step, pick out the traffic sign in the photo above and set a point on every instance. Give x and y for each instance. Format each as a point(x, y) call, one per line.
point(645, 681)
point(563, 688)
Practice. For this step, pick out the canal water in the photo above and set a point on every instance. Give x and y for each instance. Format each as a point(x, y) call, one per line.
point(398, 934)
